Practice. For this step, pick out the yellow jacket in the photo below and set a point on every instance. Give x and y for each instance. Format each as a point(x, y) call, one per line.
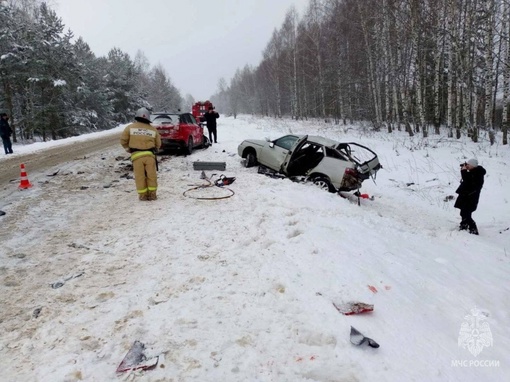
point(139, 136)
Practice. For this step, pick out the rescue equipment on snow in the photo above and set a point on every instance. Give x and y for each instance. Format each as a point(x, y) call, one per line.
point(219, 183)
point(224, 181)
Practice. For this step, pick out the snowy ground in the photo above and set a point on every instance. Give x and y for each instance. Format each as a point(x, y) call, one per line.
point(242, 289)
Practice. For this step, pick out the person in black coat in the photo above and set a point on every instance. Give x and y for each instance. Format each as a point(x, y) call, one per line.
point(210, 117)
point(469, 193)
point(5, 133)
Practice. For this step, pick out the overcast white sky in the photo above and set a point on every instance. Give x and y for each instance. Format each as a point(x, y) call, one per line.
point(197, 41)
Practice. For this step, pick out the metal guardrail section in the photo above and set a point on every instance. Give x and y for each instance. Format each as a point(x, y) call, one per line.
point(221, 166)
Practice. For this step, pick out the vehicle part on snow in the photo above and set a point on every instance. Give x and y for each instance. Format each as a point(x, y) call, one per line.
point(354, 307)
point(270, 173)
point(54, 174)
point(221, 166)
point(135, 359)
point(36, 312)
point(359, 339)
point(60, 284)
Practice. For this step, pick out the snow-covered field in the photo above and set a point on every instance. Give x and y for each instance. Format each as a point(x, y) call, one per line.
point(242, 289)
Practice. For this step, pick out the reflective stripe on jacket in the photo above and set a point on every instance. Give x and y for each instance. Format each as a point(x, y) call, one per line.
point(138, 154)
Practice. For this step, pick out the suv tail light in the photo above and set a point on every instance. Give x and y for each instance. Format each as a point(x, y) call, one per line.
point(352, 172)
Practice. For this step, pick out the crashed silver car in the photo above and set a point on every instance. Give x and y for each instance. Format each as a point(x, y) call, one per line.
point(331, 165)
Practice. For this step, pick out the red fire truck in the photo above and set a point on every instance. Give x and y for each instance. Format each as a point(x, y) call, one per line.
point(200, 108)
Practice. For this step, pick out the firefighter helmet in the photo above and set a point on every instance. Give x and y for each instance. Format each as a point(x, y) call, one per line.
point(143, 114)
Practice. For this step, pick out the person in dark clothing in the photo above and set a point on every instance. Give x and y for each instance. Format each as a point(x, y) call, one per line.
point(210, 117)
point(5, 133)
point(469, 193)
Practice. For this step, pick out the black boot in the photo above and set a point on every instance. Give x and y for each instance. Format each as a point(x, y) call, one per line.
point(473, 229)
point(463, 226)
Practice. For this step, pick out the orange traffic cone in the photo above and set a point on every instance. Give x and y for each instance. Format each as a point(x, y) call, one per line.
point(24, 184)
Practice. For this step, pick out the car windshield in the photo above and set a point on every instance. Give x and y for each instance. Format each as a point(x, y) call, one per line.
point(164, 119)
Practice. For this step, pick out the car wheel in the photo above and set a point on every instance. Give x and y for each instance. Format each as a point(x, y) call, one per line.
point(323, 183)
point(205, 142)
point(251, 159)
point(189, 148)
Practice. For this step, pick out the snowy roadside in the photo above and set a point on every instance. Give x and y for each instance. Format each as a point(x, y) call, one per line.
point(242, 288)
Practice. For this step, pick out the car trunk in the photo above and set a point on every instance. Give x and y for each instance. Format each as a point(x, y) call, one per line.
point(168, 130)
point(366, 160)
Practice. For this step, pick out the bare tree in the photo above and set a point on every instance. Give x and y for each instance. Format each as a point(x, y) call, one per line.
point(505, 37)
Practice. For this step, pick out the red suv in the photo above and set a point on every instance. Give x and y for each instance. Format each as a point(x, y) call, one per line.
point(179, 131)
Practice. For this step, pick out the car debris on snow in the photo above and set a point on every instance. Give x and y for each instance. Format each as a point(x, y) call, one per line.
point(359, 339)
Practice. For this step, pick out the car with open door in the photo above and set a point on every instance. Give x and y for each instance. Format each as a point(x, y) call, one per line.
point(179, 131)
point(329, 164)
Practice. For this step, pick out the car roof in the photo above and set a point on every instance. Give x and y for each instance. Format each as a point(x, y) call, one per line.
point(322, 140)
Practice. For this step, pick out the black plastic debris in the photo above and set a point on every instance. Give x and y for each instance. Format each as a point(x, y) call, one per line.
point(36, 312)
point(54, 174)
point(60, 284)
point(359, 339)
point(57, 285)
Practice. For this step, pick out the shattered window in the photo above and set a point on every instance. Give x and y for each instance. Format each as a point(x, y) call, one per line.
point(334, 154)
point(286, 142)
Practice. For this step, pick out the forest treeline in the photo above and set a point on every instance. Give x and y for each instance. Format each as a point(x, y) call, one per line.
point(54, 87)
point(400, 64)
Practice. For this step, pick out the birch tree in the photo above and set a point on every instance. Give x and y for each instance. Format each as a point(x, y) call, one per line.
point(505, 37)
point(289, 37)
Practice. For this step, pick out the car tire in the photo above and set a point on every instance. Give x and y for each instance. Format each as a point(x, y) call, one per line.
point(323, 183)
point(189, 147)
point(205, 142)
point(251, 159)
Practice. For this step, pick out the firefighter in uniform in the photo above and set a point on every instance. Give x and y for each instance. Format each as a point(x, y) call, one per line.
point(142, 141)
